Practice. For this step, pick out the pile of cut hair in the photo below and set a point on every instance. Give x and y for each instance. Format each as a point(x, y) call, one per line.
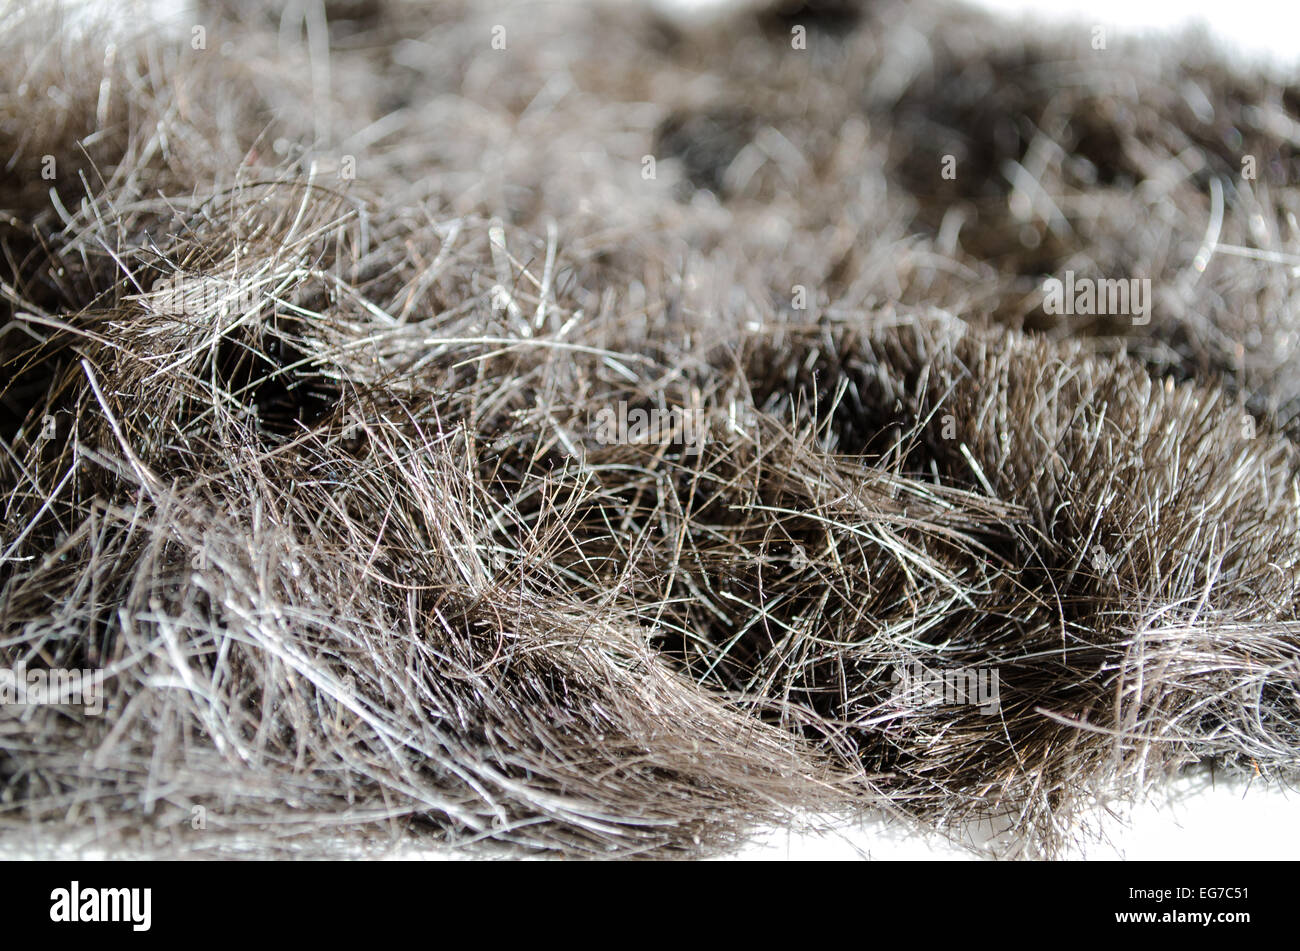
point(315, 319)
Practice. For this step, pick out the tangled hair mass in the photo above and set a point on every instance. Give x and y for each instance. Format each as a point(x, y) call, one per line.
point(566, 428)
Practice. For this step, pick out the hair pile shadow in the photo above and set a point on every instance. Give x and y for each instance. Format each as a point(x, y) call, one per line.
point(304, 327)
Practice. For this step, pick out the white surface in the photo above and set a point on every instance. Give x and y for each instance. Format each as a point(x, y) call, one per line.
point(1196, 820)
point(1261, 29)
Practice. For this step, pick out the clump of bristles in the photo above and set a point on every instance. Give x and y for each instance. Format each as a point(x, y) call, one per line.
point(304, 338)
